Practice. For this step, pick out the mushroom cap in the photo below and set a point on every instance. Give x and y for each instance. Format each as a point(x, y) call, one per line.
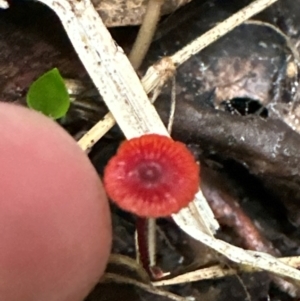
point(54, 217)
point(152, 176)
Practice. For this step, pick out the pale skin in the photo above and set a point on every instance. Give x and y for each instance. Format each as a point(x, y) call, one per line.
point(55, 225)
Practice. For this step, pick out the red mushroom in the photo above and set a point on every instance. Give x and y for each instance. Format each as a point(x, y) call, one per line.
point(54, 217)
point(152, 176)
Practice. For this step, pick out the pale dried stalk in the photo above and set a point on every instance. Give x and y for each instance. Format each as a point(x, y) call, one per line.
point(152, 78)
point(255, 259)
point(146, 33)
point(217, 271)
point(173, 106)
point(115, 278)
point(214, 272)
point(123, 93)
point(89, 139)
point(193, 214)
point(132, 264)
point(220, 30)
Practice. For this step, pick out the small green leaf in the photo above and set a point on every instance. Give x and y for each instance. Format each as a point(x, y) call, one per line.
point(49, 95)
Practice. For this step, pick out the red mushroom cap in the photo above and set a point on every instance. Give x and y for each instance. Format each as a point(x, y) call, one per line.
point(152, 176)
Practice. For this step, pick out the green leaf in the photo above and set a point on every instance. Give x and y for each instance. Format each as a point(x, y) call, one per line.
point(49, 95)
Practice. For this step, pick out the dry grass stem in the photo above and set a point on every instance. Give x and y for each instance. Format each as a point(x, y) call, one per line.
point(130, 263)
point(220, 30)
point(111, 277)
point(89, 139)
point(253, 259)
point(217, 271)
point(173, 105)
point(146, 33)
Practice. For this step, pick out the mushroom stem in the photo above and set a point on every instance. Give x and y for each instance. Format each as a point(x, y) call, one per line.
point(146, 242)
